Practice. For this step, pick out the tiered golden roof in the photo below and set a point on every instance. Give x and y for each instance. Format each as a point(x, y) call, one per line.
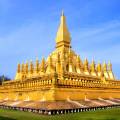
point(64, 59)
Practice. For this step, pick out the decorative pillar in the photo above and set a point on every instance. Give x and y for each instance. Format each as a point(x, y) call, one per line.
point(105, 70)
point(42, 67)
point(86, 68)
point(79, 65)
point(92, 68)
point(110, 72)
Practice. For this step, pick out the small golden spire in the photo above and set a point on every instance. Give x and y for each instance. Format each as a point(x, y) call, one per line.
point(104, 66)
point(23, 68)
point(31, 67)
point(93, 66)
point(42, 68)
point(85, 64)
point(79, 65)
point(26, 67)
point(37, 65)
point(99, 67)
point(86, 61)
point(18, 68)
point(109, 66)
point(50, 61)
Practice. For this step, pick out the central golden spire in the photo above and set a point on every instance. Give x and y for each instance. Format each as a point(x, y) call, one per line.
point(63, 35)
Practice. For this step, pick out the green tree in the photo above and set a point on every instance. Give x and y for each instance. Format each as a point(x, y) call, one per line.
point(4, 78)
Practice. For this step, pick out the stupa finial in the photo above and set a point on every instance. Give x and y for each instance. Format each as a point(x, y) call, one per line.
point(62, 13)
point(63, 36)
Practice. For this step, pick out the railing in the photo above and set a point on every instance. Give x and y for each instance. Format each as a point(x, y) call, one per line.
point(22, 86)
point(69, 80)
point(87, 81)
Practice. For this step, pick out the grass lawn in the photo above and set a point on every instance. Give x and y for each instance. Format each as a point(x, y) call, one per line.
point(109, 114)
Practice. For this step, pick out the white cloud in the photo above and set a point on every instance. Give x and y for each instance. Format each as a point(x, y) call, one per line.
point(99, 33)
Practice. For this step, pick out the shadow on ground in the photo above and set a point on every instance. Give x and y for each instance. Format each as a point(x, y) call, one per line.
point(6, 118)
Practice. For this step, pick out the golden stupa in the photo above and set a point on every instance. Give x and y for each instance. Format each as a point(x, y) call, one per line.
point(62, 76)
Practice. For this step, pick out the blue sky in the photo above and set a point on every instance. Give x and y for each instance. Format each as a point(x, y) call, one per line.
point(28, 30)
